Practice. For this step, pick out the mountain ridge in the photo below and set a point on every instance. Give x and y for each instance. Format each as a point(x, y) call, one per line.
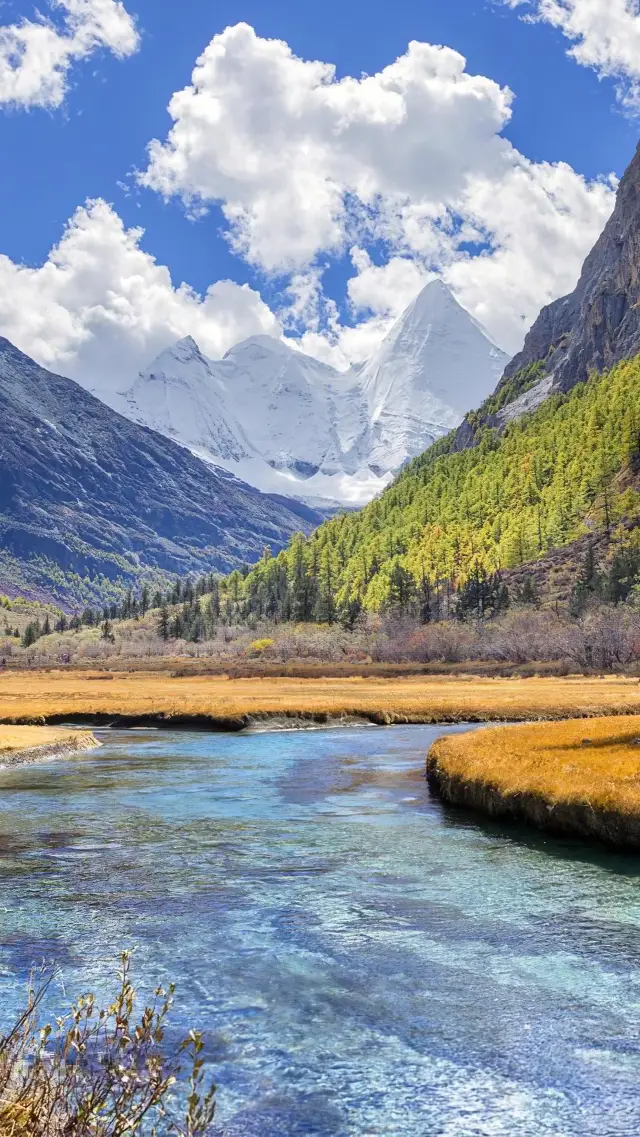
point(289, 423)
point(86, 493)
point(598, 324)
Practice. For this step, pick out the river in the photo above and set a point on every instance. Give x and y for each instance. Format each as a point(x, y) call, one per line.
point(364, 960)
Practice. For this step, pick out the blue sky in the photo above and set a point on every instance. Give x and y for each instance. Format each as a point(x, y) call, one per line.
point(54, 158)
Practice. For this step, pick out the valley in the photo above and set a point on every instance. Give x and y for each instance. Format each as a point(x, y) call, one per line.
point(91, 504)
point(319, 569)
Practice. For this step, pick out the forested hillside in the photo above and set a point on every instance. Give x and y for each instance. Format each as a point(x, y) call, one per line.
point(565, 469)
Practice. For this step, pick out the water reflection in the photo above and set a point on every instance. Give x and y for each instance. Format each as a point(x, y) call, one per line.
point(363, 960)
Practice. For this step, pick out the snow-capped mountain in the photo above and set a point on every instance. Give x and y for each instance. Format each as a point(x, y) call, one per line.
point(435, 364)
point(289, 424)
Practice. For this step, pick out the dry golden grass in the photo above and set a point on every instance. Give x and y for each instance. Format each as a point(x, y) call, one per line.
point(596, 764)
point(16, 738)
point(51, 695)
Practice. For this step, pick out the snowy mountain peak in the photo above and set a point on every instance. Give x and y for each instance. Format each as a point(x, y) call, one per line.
point(184, 352)
point(261, 346)
point(185, 348)
point(288, 423)
point(436, 362)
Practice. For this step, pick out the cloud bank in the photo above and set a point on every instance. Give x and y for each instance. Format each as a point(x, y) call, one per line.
point(304, 164)
point(100, 307)
point(407, 172)
point(37, 55)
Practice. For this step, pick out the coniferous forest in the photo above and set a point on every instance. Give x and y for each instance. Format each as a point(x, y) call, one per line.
point(452, 521)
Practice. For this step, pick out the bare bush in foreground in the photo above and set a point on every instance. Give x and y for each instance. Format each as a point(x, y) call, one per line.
point(101, 1072)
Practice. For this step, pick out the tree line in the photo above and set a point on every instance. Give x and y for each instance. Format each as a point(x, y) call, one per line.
point(435, 545)
point(454, 521)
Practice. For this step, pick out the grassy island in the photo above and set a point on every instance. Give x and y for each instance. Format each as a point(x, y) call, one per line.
point(29, 743)
point(571, 777)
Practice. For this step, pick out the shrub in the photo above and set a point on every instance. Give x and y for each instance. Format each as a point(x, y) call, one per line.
point(99, 1072)
point(260, 646)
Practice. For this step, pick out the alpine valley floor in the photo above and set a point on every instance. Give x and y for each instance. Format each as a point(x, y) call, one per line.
point(217, 702)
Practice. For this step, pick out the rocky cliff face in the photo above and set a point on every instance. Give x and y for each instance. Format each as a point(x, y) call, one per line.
point(85, 492)
point(599, 323)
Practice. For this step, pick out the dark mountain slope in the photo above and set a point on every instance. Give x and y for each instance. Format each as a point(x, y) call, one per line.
point(599, 323)
point(592, 329)
point(86, 493)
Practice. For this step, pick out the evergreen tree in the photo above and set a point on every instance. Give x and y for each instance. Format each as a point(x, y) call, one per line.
point(349, 612)
point(401, 593)
point(163, 623)
point(481, 595)
point(624, 572)
point(31, 634)
point(214, 603)
point(588, 583)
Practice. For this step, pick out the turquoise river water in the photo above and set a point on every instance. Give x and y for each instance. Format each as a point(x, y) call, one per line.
point(364, 960)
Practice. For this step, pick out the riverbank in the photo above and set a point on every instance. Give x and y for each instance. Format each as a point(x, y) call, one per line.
point(220, 703)
point(23, 744)
point(568, 777)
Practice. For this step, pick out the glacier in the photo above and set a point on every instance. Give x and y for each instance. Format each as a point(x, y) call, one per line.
point(290, 424)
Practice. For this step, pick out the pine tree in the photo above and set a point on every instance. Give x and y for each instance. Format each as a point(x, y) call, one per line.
point(349, 612)
point(401, 589)
point(30, 634)
point(587, 584)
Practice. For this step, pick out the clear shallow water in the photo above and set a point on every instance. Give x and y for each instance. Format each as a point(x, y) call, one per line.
point(363, 961)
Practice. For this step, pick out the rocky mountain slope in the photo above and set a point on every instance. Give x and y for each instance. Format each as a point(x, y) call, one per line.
point(88, 497)
point(288, 423)
point(592, 329)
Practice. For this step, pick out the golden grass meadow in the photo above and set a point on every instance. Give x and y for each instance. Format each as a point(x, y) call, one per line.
point(595, 764)
point(15, 739)
point(38, 697)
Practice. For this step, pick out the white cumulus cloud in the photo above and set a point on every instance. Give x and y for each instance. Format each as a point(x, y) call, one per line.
point(407, 171)
point(605, 35)
point(305, 165)
point(37, 55)
point(100, 307)
point(282, 143)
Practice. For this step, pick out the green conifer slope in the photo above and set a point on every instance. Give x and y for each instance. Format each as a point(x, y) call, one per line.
point(565, 469)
